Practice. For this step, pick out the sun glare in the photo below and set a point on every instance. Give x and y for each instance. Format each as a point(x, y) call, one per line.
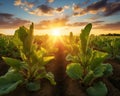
point(56, 32)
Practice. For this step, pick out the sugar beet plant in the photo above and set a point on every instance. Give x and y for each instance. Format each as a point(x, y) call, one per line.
point(88, 66)
point(30, 69)
point(112, 48)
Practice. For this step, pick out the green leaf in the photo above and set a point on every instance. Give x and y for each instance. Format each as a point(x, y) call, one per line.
point(98, 89)
point(22, 33)
point(16, 40)
point(84, 37)
point(33, 86)
point(9, 82)
point(89, 77)
point(28, 39)
point(69, 57)
point(13, 62)
point(50, 77)
point(108, 69)
point(99, 71)
point(74, 70)
point(97, 59)
point(46, 60)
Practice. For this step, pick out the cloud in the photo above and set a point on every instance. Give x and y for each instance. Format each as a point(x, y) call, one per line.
point(9, 21)
point(93, 8)
point(76, 8)
point(59, 9)
point(46, 10)
point(96, 5)
point(76, 24)
point(50, 1)
point(98, 22)
point(40, 9)
point(25, 4)
point(85, 2)
point(112, 8)
point(109, 26)
point(18, 2)
point(48, 24)
point(103, 7)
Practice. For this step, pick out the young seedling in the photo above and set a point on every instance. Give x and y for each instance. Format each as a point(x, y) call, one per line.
point(87, 66)
point(30, 69)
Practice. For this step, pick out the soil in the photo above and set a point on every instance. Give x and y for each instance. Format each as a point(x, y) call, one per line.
point(3, 67)
point(115, 77)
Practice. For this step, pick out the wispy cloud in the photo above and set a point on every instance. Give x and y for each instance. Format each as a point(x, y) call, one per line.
point(112, 8)
point(9, 21)
point(39, 9)
point(46, 10)
point(25, 4)
point(48, 24)
point(109, 26)
point(76, 24)
point(43, 9)
point(59, 9)
point(85, 2)
point(102, 6)
point(50, 1)
point(18, 2)
point(93, 8)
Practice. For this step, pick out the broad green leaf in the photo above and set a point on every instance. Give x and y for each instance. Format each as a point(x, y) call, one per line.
point(97, 58)
point(98, 89)
point(33, 86)
point(108, 69)
point(74, 70)
point(9, 82)
point(50, 77)
point(8, 87)
point(99, 71)
point(13, 62)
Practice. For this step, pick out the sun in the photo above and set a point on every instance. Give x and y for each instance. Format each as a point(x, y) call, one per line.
point(56, 32)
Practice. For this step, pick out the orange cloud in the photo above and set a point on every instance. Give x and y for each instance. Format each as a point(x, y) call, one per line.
point(106, 8)
point(109, 26)
point(9, 21)
point(48, 24)
point(50, 1)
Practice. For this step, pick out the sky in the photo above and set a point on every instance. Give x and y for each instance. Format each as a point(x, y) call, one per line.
point(65, 15)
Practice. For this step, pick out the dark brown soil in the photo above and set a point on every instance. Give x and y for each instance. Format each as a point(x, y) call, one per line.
point(115, 78)
point(3, 67)
point(73, 88)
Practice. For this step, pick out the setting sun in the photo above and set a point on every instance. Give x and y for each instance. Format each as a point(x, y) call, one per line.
point(56, 32)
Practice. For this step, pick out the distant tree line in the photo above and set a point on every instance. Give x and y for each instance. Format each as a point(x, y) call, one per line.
point(110, 34)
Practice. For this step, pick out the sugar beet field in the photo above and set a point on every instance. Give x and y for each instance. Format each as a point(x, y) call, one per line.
point(84, 65)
